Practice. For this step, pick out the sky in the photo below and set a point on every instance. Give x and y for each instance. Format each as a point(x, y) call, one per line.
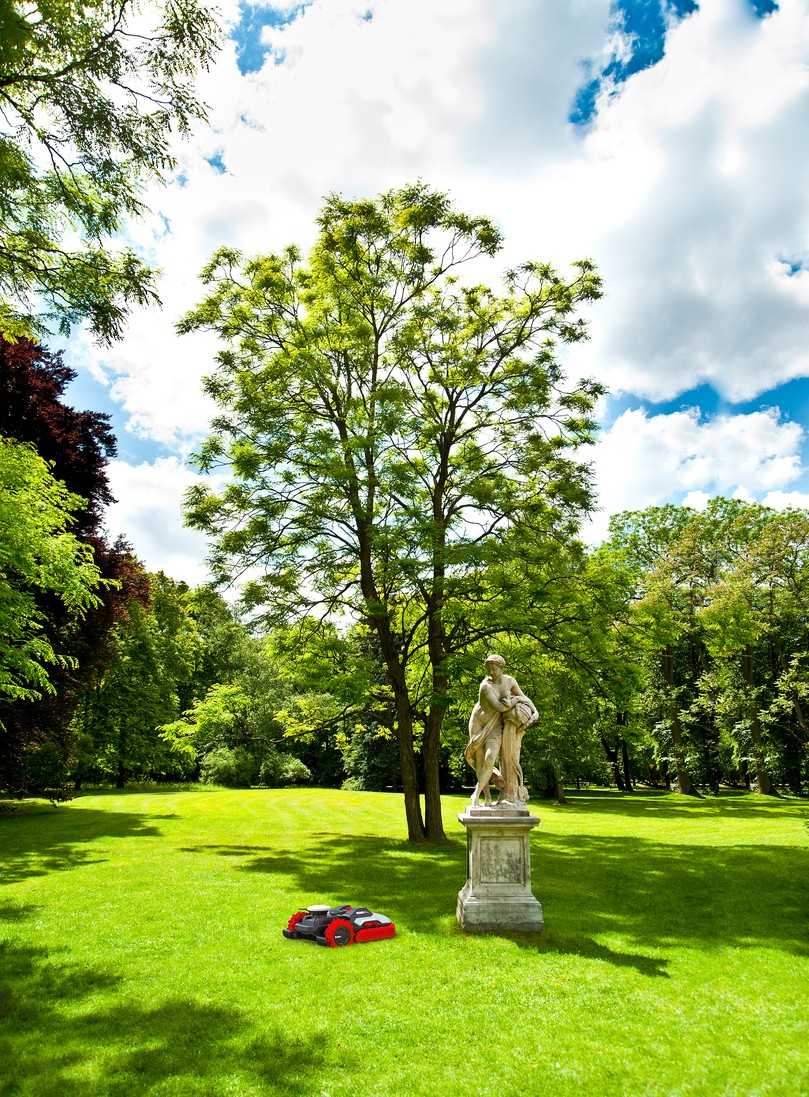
point(667, 140)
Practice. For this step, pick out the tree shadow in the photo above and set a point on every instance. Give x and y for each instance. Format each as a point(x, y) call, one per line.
point(655, 896)
point(16, 912)
point(55, 840)
point(550, 940)
point(68, 1031)
point(672, 805)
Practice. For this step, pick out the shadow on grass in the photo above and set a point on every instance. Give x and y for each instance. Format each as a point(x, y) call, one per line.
point(652, 895)
point(670, 805)
point(51, 841)
point(69, 1031)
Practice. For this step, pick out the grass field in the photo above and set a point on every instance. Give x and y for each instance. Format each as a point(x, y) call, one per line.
point(142, 952)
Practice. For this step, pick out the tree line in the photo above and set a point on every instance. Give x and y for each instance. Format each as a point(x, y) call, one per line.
point(673, 655)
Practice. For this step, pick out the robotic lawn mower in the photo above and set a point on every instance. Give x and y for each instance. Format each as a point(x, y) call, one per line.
point(338, 926)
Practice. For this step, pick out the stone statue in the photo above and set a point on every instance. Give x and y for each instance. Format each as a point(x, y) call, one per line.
point(496, 727)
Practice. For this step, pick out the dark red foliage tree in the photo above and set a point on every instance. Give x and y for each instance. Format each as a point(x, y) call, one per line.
point(77, 443)
point(35, 747)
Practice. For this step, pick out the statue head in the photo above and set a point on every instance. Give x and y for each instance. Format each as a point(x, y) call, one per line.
point(494, 665)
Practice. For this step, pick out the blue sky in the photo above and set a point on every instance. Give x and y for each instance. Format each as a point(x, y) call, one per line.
point(641, 133)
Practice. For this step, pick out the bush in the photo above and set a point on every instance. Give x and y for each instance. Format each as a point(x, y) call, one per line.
point(371, 759)
point(235, 767)
point(281, 770)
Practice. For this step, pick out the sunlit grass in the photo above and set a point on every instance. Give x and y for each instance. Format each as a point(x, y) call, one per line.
point(143, 952)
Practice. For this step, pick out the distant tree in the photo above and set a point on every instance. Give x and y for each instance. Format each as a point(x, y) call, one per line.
point(224, 646)
point(666, 608)
point(151, 662)
point(756, 621)
point(90, 95)
point(719, 603)
point(385, 426)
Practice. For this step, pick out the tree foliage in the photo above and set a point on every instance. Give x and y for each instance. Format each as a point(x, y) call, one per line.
point(720, 600)
point(90, 96)
point(37, 555)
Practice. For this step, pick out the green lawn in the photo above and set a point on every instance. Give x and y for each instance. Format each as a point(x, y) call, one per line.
point(143, 952)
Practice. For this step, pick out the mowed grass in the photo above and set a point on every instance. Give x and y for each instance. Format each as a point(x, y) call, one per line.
point(142, 951)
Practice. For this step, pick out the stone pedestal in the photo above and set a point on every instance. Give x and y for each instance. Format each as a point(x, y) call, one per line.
point(497, 895)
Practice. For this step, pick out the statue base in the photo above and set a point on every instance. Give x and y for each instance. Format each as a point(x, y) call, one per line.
point(497, 895)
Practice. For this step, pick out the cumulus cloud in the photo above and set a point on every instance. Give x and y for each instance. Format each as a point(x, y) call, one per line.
point(781, 500)
point(149, 515)
point(443, 91)
point(644, 460)
point(689, 187)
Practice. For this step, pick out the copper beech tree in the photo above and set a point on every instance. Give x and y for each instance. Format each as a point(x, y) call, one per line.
point(394, 434)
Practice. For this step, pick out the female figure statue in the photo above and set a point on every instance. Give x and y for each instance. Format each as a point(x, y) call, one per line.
point(496, 728)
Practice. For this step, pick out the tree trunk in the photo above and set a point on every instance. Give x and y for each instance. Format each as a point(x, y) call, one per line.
point(684, 782)
point(437, 652)
point(627, 770)
point(765, 785)
point(556, 785)
point(410, 779)
point(612, 758)
point(620, 720)
point(433, 822)
point(120, 768)
point(407, 753)
point(404, 727)
point(379, 620)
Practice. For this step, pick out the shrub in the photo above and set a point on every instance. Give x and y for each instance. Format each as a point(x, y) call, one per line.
point(371, 759)
point(280, 770)
point(234, 767)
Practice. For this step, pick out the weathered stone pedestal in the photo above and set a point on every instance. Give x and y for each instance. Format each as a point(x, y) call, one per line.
point(497, 895)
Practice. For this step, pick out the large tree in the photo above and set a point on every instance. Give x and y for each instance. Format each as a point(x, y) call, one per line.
point(394, 434)
point(90, 94)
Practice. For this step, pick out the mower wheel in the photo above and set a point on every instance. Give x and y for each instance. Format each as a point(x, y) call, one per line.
point(338, 933)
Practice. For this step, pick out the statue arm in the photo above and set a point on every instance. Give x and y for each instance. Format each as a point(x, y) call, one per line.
point(489, 693)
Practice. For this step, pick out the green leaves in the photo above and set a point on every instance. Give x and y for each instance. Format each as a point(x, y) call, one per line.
point(88, 104)
point(36, 554)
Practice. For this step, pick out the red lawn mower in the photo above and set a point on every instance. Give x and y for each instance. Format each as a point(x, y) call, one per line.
point(335, 927)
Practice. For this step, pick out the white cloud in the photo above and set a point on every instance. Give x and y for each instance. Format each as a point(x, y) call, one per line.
point(149, 515)
point(443, 91)
point(780, 500)
point(645, 460)
point(691, 186)
point(704, 161)
point(690, 190)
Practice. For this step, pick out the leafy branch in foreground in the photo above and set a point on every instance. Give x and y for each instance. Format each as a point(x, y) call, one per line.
point(90, 96)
